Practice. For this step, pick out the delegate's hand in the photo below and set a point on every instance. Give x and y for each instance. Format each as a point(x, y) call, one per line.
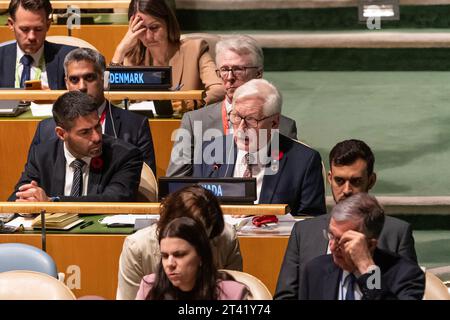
point(31, 192)
point(356, 250)
point(130, 40)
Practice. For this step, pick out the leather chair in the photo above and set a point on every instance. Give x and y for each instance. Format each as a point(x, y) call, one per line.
point(19, 256)
point(148, 187)
point(30, 285)
point(435, 289)
point(71, 41)
point(258, 290)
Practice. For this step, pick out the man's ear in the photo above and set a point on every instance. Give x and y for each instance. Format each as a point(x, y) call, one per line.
point(372, 180)
point(329, 177)
point(372, 245)
point(60, 132)
point(11, 24)
point(49, 23)
point(276, 122)
point(259, 74)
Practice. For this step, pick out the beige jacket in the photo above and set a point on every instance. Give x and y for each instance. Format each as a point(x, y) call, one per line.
point(193, 68)
point(140, 256)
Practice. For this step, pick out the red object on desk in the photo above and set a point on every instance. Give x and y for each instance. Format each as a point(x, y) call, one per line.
point(259, 221)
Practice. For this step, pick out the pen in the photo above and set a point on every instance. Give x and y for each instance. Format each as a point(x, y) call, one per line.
point(86, 224)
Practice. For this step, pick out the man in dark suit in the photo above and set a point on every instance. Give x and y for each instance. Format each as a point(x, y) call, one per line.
point(286, 171)
point(30, 57)
point(84, 70)
point(81, 165)
point(239, 59)
point(351, 172)
point(356, 268)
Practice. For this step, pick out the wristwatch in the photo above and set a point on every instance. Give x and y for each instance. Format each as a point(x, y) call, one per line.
point(116, 64)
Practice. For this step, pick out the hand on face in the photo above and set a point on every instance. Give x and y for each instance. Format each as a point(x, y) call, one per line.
point(31, 192)
point(355, 250)
point(130, 40)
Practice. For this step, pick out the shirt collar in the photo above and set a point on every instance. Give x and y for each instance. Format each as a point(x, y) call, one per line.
point(70, 158)
point(36, 56)
point(101, 108)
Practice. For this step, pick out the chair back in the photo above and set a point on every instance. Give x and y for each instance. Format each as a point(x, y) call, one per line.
point(30, 285)
point(258, 290)
point(19, 256)
point(435, 289)
point(148, 187)
point(71, 41)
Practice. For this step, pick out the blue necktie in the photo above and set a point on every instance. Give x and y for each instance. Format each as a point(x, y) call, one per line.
point(350, 295)
point(26, 61)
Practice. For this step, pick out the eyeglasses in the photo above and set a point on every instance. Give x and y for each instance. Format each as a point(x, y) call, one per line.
point(329, 236)
point(236, 71)
point(250, 122)
point(89, 77)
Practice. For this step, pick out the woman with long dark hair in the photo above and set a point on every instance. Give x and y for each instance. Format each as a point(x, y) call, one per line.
point(186, 270)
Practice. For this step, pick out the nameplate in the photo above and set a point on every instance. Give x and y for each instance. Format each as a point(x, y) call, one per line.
point(139, 78)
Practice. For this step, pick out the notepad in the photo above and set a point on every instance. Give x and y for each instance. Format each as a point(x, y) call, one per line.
point(57, 221)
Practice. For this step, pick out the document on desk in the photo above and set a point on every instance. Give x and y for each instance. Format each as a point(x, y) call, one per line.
point(41, 110)
point(125, 220)
point(245, 226)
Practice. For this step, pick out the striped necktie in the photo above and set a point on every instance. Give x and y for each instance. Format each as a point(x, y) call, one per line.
point(77, 182)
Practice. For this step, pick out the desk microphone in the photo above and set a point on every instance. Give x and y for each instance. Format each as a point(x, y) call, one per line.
point(216, 166)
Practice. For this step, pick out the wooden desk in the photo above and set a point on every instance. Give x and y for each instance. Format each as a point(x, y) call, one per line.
point(97, 257)
point(16, 136)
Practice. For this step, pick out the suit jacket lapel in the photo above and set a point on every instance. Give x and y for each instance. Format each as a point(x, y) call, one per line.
point(227, 169)
point(59, 172)
point(10, 64)
point(215, 117)
point(177, 68)
point(330, 284)
point(51, 66)
point(270, 180)
point(94, 181)
point(115, 117)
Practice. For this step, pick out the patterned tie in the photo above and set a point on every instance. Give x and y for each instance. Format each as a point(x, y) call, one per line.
point(26, 61)
point(248, 170)
point(350, 295)
point(77, 182)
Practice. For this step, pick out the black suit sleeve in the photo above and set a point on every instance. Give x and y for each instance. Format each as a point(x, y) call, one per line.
point(313, 190)
point(30, 173)
point(288, 282)
point(406, 246)
point(145, 144)
point(123, 184)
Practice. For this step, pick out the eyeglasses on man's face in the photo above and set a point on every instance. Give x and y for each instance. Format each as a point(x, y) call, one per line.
point(250, 122)
point(330, 237)
point(236, 71)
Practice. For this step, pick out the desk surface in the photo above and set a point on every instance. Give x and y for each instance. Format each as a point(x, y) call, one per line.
point(90, 262)
point(16, 135)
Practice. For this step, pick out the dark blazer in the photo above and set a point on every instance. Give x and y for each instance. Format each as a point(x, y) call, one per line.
point(129, 126)
point(307, 242)
point(116, 180)
point(400, 279)
point(54, 63)
point(298, 181)
point(211, 118)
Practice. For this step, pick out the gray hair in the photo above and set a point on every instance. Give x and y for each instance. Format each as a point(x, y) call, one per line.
point(263, 89)
point(241, 45)
point(86, 54)
point(362, 208)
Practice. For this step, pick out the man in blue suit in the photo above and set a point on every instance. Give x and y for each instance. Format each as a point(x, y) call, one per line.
point(84, 70)
point(286, 171)
point(30, 57)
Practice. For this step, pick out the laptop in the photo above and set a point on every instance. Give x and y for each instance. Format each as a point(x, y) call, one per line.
point(12, 108)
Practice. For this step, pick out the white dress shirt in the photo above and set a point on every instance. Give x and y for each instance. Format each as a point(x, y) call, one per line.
point(343, 287)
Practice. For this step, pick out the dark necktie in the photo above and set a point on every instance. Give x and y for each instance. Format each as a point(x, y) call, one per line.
point(248, 170)
point(26, 61)
point(77, 182)
point(350, 295)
